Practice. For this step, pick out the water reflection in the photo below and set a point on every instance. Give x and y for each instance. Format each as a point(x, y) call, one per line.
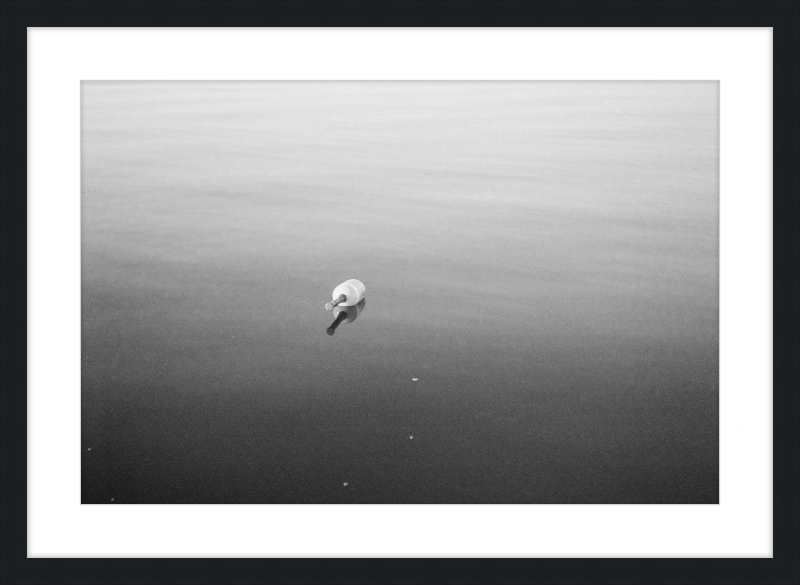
point(346, 315)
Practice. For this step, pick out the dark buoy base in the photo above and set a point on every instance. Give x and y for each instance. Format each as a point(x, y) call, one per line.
point(339, 318)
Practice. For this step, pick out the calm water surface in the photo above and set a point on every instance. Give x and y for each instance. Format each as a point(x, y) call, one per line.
point(541, 257)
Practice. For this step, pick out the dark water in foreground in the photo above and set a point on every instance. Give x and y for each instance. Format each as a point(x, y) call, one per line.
point(542, 257)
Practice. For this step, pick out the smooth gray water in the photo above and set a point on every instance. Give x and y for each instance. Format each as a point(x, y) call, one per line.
point(542, 256)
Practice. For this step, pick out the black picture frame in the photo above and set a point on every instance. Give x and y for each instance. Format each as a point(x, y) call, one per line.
point(782, 16)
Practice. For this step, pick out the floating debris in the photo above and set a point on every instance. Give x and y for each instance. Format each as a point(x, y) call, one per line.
point(112, 499)
point(89, 449)
point(414, 379)
point(345, 484)
point(347, 294)
point(411, 437)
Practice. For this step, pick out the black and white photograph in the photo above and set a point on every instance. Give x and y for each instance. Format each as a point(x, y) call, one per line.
point(400, 292)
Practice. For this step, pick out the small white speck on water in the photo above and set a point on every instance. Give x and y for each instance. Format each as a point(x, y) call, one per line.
point(112, 499)
point(89, 449)
point(411, 437)
point(345, 484)
point(414, 379)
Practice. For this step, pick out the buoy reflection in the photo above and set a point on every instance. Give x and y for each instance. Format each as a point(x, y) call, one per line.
point(346, 315)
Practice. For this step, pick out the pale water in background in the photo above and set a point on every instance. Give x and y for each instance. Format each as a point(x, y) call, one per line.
point(541, 256)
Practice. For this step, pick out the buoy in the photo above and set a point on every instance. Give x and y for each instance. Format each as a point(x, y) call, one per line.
point(346, 315)
point(347, 294)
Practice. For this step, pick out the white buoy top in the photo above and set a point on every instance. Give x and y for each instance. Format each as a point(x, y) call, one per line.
point(347, 294)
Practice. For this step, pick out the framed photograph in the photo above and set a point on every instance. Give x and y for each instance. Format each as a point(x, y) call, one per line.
point(420, 292)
